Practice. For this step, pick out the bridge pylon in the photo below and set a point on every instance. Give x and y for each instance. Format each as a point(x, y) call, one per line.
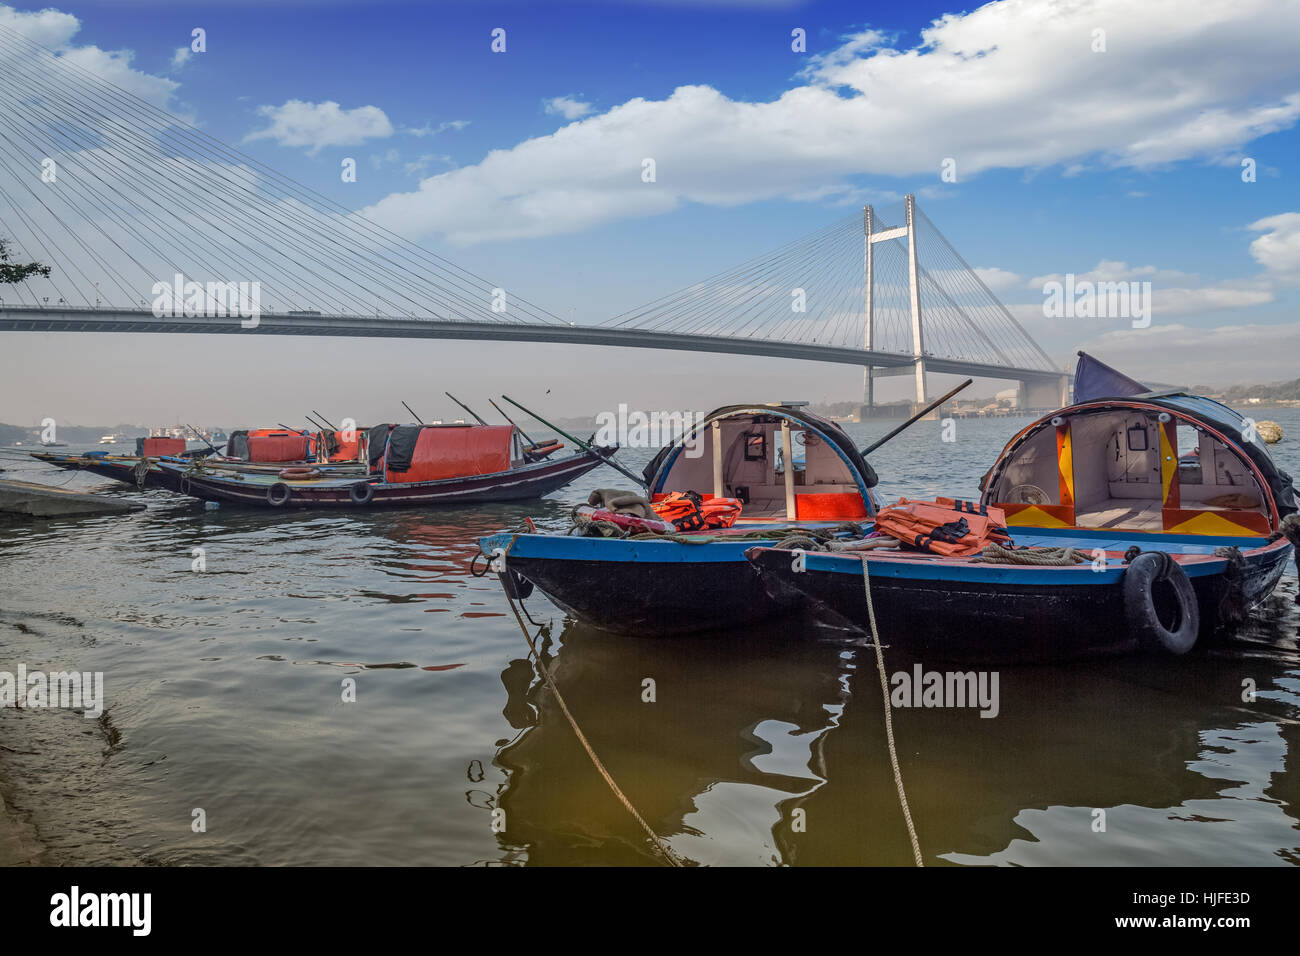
point(906, 231)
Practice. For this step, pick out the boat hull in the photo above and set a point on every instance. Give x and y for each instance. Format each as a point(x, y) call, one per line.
point(643, 588)
point(952, 609)
point(117, 469)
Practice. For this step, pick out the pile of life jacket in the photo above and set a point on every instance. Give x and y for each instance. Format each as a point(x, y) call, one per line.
point(691, 511)
point(946, 526)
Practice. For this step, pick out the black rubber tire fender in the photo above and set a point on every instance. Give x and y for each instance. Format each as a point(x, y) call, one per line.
point(278, 498)
point(1160, 604)
point(361, 492)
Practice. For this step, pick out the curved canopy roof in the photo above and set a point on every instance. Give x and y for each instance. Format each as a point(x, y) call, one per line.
point(827, 429)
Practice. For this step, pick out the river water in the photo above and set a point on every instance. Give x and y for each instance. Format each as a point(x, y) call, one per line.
point(225, 702)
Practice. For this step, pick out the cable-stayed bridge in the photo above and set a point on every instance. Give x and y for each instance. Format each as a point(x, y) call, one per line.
point(151, 225)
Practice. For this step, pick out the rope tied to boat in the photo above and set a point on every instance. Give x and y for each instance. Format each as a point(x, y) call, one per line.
point(1232, 604)
point(1290, 529)
point(655, 840)
point(995, 553)
point(141, 471)
point(889, 716)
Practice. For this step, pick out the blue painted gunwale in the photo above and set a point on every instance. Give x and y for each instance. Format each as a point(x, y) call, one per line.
point(1194, 552)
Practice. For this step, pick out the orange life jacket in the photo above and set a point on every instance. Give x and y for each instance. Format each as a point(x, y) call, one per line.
point(946, 526)
point(690, 511)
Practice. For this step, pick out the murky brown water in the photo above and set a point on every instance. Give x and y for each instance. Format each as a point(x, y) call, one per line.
point(224, 691)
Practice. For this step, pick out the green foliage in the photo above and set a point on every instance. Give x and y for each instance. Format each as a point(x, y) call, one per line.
point(11, 272)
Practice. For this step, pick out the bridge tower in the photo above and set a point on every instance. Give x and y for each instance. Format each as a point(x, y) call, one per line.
point(870, 238)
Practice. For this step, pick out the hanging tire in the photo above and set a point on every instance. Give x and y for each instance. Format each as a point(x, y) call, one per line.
point(278, 494)
point(1160, 604)
point(361, 492)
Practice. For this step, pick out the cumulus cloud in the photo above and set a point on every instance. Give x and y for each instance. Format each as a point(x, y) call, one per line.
point(55, 30)
point(1278, 250)
point(318, 125)
point(1013, 84)
point(569, 107)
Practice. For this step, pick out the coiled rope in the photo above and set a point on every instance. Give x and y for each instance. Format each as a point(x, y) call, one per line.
point(889, 717)
point(994, 553)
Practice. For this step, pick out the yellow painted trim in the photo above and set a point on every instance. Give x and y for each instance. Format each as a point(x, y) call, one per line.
point(1168, 463)
point(1065, 460)
point(1207, 522)
point(1036, 518)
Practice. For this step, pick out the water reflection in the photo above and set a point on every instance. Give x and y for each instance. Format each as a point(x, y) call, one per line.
point(728, 746)
point(770, 749)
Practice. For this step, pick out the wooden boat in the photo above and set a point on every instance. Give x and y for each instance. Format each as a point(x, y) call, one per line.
point(1105, 477)
point(270, 451)
point(653, 587)
point(408, 465)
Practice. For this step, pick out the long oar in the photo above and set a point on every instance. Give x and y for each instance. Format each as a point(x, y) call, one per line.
point(412, 411)
point(464, 406)
point(202, 439)
point(579, 442)
point(508, 418)
point(915, 418)
point(322, 418)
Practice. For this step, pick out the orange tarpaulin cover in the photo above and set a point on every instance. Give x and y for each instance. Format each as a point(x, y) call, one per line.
point(280, 447)
point(457, 452)
point(154, 447)
point(347, 449)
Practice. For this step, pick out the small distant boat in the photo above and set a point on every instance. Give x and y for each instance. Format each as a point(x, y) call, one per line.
point(108, 439)
point(54, 444)
point(1169, 547)
point(402, 465)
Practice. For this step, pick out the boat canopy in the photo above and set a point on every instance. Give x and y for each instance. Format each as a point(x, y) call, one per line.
point(778, 460)
point(438, 452)
point(1160, 461)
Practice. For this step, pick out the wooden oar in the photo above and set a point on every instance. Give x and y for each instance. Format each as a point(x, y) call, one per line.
point(915, 418)
point(464, 406)
point(580, 443)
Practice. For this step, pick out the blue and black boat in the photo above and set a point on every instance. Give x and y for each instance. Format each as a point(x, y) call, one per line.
point(1178, 521)
point(789, 468)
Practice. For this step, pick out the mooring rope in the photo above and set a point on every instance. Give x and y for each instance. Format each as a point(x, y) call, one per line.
point(889, 718)
point(995, 553)
point(665, 851)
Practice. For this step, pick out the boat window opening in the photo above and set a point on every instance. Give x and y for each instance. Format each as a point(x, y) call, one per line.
point(1137, 438)
point(825, 488)
point(1115, 475)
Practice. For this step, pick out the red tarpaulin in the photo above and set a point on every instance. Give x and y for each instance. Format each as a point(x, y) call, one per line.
point(457, 452)
point(156, 447)
point(280, 447)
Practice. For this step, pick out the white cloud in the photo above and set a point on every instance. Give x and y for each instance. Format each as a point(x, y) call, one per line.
point(428, 130)
point(569, 107)
point(181, 57)
point(1278, 250)
point(998, 280)
point(1173, 293)
point(318, 125)
point(1012, 84)
point(55, 30)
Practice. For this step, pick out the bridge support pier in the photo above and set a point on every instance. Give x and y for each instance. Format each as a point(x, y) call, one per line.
point(1044, 395)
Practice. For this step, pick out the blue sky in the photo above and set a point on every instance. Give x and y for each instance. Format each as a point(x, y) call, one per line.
point(1122, 163)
